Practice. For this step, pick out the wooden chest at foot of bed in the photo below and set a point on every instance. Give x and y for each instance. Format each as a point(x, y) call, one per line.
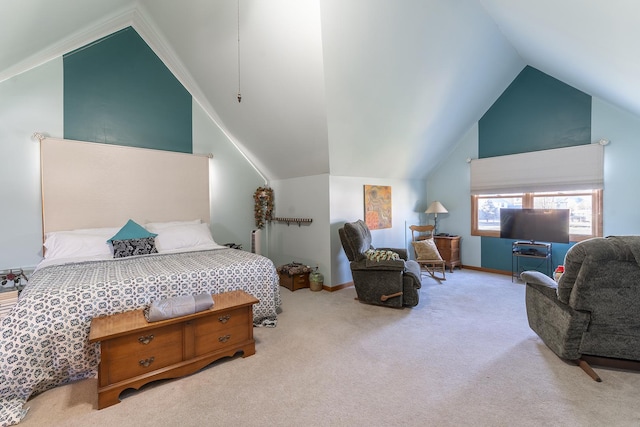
point(134, 352)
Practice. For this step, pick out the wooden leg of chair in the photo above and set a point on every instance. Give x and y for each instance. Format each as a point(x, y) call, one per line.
point(588, 369)
point(432, 271)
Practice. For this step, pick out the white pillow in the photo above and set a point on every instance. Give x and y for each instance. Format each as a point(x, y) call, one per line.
point(78, 243)
point(155, 226)
point(87, 231)
point(185, 236)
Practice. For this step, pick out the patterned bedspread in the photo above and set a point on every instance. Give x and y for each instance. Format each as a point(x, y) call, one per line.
point(44, 341)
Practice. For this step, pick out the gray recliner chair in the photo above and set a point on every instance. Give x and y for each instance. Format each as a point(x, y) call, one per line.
point(593, 312)
point(393, 283)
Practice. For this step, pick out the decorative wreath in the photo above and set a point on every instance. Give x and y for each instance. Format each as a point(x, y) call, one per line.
point(263, 210)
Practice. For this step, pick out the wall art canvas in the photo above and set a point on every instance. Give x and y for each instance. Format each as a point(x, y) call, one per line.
point(377, 206)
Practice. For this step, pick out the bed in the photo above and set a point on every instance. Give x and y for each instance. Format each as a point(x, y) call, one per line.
point(89, 272)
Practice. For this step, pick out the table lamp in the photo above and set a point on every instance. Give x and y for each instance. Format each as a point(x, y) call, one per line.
point(435, 208)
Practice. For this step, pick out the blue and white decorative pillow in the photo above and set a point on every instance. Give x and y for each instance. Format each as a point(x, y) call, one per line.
point(132, 230)
point(131, 247)
point(381, 255)
point(133, 239)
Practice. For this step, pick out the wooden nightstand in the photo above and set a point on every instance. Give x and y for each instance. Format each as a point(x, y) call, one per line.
point(449, 248)
point(8, 298)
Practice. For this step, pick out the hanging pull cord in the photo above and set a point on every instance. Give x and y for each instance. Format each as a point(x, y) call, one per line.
point(239, 94)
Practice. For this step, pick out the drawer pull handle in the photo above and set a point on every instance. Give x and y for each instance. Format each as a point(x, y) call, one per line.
point(224, 319)
point(224, 338)
point(146, 362)
point(145, 339)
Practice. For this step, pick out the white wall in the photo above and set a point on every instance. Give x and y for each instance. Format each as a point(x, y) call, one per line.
point(29, 102)
point(450, 185)
point(621, 172)
point(232, 182)
point(306, 197)
point(405, 78)
point(279, 60)
point(409, 201)
point(331, 201)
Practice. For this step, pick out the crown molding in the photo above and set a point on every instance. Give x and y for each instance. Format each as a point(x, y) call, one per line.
point(84, 36)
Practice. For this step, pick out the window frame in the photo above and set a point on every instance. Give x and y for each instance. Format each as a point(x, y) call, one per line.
point(527, 202)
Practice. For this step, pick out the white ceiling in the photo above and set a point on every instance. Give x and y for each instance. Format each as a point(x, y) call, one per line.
point(368, 88)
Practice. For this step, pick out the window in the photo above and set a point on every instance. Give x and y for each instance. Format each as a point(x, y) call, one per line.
point(488, 211)
point(585, 205)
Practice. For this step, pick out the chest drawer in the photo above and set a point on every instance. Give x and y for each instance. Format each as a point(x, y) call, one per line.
point(211, 334)
point(130, 367)
point(445, 251)
point(208, 343)
point(220, 322)
point(138, 354)
point(143, 343)
point(449, 254)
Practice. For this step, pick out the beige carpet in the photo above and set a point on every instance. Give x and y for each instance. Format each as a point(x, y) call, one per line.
point(464, 357)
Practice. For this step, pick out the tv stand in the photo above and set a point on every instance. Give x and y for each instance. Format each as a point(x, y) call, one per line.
point(521, 250)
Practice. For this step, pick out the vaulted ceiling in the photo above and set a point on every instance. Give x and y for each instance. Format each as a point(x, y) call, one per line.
point(368, 88)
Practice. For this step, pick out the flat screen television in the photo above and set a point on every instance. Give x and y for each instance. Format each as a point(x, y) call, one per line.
point(535, 225)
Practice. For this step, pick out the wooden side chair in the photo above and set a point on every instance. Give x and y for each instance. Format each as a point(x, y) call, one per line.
point(427, 254)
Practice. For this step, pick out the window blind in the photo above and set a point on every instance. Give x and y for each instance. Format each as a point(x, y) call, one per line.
point(562, 169)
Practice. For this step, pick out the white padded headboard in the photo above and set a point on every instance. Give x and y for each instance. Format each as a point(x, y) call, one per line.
point(88, 185)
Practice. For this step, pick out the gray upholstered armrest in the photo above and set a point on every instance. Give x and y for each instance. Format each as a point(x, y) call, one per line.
point(412, 268)
point(367, 264)
point(540, 281)
point(400, 251)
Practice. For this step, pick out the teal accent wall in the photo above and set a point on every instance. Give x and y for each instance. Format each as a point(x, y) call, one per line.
point(536, 112)
point(496, 255)
point(117, 91)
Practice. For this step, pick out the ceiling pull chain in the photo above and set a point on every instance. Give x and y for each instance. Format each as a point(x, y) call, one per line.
point(239, 94)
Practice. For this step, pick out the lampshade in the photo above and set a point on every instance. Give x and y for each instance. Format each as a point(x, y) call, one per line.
point(436, 208)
